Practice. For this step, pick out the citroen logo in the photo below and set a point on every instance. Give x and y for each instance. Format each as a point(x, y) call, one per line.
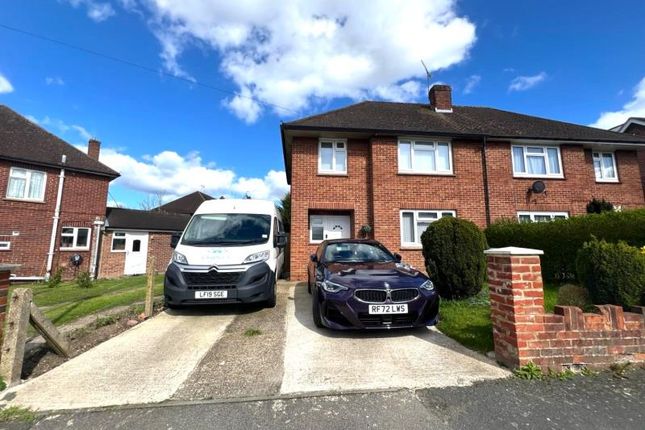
point(388, 291)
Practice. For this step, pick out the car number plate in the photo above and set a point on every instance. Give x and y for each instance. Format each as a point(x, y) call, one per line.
point(221, 294)
point(388, 309)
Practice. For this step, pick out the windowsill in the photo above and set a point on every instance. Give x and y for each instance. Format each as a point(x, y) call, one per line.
point(14, 199)
point(411, 173)
point(607, 181)
point(74, 249)
point(332, 174)
point(516, 176)
point(411, 247)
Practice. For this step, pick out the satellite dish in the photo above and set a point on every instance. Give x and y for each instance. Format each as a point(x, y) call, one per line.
point(538, 187)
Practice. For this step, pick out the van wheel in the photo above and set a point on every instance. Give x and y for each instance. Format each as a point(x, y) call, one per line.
point(315, 310)
point(271, 302)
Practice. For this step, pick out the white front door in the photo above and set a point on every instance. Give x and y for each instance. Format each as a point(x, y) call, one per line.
point(327, 227)
point(136, 253)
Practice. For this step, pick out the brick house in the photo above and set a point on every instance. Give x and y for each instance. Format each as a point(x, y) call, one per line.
point(635, 126)
point(131, 236)
point(397, 167)
point(52, 199)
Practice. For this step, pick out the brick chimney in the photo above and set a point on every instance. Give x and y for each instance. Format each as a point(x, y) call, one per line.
point(93, 149)
point(440, 98)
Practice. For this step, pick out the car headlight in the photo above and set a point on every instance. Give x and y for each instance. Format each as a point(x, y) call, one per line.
point(427, 285)
point(332, 287)
point(258, 256)
point(178, 257)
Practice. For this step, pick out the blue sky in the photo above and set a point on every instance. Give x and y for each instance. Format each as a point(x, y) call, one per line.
point(577, 61)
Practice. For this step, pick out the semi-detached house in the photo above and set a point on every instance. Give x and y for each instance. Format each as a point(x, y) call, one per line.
point(397, 167)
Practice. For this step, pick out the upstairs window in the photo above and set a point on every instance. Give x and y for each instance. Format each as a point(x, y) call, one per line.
point(604, 165)
point(25, 184)
point(537, 161)
point(414, 223)
point(332, 156)
point(75, 238)
point(425, 157)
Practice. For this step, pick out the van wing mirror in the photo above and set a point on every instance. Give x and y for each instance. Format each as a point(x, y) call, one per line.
point(280, 240)
point(174, 240)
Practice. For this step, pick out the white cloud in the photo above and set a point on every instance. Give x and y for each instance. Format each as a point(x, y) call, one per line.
point(96, 10)
point(69, 131)
point(523, 83)
point(54, 80)
point(306, 52)
point(635, 107)
point(172, 175)
point(5, 85)
point(471, 83)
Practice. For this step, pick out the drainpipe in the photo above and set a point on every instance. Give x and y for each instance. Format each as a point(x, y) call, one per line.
point(98, 227)
point(485, 177)
point(59, 200)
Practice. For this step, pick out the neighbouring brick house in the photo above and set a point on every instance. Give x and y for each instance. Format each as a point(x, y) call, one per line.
point(131, 236)
point(397, 167)
point(52, 199)
point(635, 126)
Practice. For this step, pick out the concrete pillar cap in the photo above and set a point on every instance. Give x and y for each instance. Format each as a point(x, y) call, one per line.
point(513, 250)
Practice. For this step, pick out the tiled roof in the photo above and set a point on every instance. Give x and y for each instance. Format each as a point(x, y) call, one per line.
point(120, 218)
point(187, 204)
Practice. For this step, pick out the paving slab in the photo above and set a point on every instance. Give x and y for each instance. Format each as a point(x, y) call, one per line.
point(321, 360)
point(145, 364)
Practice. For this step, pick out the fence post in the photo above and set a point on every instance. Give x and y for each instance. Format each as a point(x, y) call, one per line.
point(13, 343)
point(150, 287)
point(516, 301)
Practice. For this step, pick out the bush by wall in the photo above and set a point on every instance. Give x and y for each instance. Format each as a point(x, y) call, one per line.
point(561, 239)
point(596, 206)
point(614, 273)
point(453, 249)
point(574, 295)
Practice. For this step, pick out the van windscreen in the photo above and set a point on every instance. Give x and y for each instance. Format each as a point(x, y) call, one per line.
point(227, 229)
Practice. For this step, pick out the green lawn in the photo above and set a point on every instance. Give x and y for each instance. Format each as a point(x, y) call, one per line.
point(68, 302)
point(468, 321)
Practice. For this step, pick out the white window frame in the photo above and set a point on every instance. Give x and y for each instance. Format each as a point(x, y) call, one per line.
point(5, 245)
point(335, 149)
point(414, 171)
point(121, 236)
point(75, 246)
point(532, 214)
point(416, 219)
point(546, 161)
point(28, 172)
point(600, 156)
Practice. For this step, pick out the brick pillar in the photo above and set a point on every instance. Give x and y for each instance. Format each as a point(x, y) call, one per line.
point(517, 301)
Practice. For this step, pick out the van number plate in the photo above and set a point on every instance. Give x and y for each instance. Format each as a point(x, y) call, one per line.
point(388, 309)
point(220, 294)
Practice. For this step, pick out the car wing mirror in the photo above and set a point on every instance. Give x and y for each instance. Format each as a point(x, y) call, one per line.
point(398, 258)
point(313, 258)
point(174, 240)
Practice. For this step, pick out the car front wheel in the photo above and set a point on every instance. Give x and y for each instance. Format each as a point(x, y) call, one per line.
point(315, 309)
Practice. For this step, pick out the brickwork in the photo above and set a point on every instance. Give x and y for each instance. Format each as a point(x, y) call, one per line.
point(524, 333)
point(639, 130)
point(112, 263)
point(374, 193)
point(4, 293)
point(84, 200)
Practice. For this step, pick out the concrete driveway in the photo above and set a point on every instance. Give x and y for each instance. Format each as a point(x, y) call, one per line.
point(211, 354)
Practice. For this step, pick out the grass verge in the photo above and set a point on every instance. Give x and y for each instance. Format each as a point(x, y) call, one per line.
point(16, 413)
point(468, 320)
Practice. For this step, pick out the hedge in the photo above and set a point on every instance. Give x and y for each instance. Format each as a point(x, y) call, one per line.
point(561, 239)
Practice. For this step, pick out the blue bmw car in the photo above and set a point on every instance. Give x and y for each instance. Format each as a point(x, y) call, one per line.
point(359, 284)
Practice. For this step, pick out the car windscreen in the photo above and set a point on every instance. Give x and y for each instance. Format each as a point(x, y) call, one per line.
point(356, 253)
point(227, 230)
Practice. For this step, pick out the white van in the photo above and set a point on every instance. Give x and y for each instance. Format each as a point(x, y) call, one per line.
point(231, 251)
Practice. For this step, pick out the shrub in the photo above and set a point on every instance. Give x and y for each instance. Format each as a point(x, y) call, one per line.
point(84, 280)
point(56, 279)
point(561, 239)
point(574, 295)
point(453, 249)
point(614, 273)
point(596, 206)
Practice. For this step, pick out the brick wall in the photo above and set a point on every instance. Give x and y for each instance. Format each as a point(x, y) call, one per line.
point(639, 130)
point(112, 264)
point(4, 293)
point(374, 193)
point(84, 199)
point(524, 333)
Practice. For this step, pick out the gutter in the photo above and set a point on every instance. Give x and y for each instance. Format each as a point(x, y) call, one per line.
point(485, 178)
point(59, 200)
